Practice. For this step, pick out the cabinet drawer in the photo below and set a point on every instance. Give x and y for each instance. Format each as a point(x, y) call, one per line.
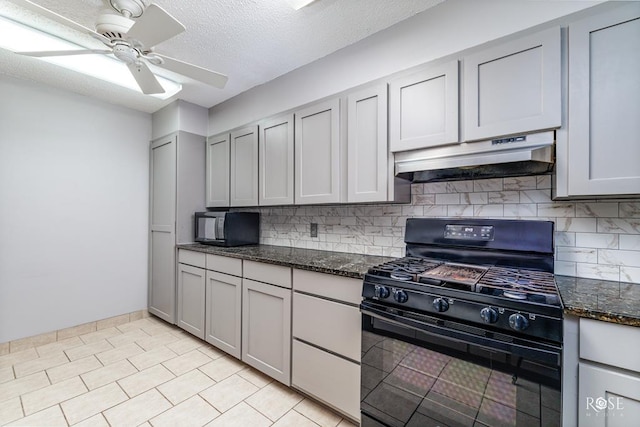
point(268, 273)
point(328, 285)
point(224, 264)
point(327, 324)
point(330, 379)
point(196, 259)
point(611, 344)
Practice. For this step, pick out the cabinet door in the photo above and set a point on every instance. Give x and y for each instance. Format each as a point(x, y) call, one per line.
point(607, 397)
point(191, 291)
point(244, 167)
point(603, 155)
point(217, 183)
point(223, 308)
point(513, 88)
point(423, 108)
point(329, 378)
point(266, 329)
point(367, 148)
point(162, 235)
point(317, 153)
point(276, 161)
point(339, 331)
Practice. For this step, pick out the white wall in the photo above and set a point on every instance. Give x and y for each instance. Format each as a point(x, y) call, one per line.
point(74, 191)
point(450, 27)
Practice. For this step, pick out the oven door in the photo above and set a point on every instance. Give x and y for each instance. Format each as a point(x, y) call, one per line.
point(423, 371)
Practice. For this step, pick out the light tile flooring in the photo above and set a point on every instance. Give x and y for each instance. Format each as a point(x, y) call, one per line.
point(145, 373)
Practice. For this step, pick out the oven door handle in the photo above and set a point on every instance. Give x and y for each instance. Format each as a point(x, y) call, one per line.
point(551, 355)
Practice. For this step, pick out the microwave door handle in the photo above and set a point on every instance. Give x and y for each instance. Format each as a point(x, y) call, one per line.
point(220, 228)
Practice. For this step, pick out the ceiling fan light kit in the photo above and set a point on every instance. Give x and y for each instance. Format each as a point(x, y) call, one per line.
point(130, 42)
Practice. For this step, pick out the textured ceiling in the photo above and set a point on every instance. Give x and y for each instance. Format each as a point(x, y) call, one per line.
point(252, 41)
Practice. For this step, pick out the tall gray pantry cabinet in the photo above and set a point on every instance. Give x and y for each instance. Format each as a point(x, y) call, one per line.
point(177, 179)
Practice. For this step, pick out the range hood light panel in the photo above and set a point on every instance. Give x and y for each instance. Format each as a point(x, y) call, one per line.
point(18, 37)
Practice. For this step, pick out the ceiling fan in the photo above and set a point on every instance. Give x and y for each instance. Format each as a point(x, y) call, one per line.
point(132, 41)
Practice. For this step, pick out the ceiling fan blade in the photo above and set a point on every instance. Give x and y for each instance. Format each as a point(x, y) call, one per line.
point(155, 26)
point(145, 78)
point(40, 54)
point(193, 71)
point(60, 19)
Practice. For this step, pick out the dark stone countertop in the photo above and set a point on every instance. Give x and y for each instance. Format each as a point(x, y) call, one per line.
point(608, 301)
point(616, 302)
point(337, 263)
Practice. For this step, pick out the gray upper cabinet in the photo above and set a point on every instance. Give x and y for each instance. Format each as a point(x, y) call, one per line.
point(317, 153)
point(244, 167)
point(217, 181)
point(514, 87)
point(177, 175)
point(276, 161)
point(423, 108)
point(367, 149)
point(603, 149)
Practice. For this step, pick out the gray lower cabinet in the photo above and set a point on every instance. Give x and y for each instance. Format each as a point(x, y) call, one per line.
point(608, 374)
point(223, 314)
point(191, 291)
point(223, 303)
point(266, 329)
point(326, 349)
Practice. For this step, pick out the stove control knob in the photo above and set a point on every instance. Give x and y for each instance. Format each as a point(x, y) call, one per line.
point(489, 315)
point(440, 304)
point(400, 296)
point(518, 322)
point(381, 292)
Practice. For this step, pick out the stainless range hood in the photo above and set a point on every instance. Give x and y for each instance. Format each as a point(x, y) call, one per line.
point(530, 154)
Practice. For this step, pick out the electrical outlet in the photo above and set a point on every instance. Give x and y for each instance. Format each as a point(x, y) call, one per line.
point(314, 229)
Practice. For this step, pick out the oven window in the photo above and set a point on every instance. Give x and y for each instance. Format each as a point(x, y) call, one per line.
point(411, 379)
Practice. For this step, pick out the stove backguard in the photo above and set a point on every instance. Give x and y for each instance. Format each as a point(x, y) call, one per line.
point(506, 243)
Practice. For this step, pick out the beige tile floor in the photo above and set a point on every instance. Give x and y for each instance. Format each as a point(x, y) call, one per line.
point(143, 373)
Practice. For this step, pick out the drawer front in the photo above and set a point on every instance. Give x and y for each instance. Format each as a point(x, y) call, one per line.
point(278, 275)
point(224, 264)
point(330, 379)
point(196, 259)
point(328, 324)
point(329, 286)
point(611, 344)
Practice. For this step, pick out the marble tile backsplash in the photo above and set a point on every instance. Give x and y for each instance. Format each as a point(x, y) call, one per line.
point(594, 239)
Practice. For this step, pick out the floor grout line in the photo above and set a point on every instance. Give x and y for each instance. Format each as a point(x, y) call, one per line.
point(147, 328)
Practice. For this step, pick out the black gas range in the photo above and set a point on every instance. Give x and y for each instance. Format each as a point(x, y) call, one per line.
point(473, 297)
point(489, 273)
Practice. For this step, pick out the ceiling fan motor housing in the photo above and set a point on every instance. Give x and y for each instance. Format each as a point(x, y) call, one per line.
point(113, 27)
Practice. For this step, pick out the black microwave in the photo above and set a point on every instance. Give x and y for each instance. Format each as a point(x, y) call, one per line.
point(227, 228)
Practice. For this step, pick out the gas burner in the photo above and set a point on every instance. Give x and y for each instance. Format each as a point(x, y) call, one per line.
point(515, 295)
point(400, 275)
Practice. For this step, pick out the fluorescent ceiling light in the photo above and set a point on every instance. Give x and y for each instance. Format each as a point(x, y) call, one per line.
point(18, 37)
point(299, 4)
